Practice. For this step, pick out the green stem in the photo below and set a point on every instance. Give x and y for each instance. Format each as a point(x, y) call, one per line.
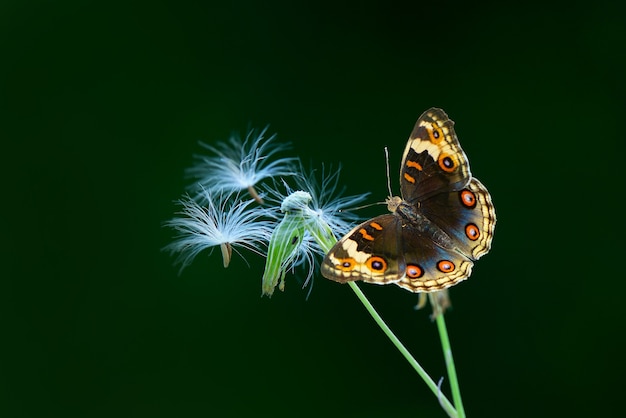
point(326, 239)
point(447, 354)
point(445, 403)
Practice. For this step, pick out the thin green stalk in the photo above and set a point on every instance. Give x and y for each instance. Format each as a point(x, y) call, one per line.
point(445, 403)
point(326, 241)
point(447, 354)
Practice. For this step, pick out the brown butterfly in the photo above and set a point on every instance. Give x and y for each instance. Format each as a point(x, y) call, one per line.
point(442, 223)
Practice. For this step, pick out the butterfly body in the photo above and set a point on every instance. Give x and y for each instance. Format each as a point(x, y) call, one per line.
point(414, 220)
point(441, 224)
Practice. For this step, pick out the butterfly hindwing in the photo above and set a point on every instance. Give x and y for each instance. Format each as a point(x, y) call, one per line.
point(430, 267)
point(466, 215)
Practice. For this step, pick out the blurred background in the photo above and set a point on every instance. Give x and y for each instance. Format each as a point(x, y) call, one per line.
point(102, 106)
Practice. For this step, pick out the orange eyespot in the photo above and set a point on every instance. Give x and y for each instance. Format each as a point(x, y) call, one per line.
point(468, 199)
point(346, 264)
point(435, 134)
point(472, 232)
point(413, 271)
point(445, 266)
point(447, 163)
point(376, 264)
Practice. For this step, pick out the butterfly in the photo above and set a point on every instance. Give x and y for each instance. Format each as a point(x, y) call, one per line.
point(443, 222)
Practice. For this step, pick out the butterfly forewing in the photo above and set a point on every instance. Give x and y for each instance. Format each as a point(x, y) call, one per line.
point(368, 252)
point(433, 160)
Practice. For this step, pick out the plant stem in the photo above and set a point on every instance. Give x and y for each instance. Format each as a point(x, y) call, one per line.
point(445, 403)
point(447, 354)
point(326, 240)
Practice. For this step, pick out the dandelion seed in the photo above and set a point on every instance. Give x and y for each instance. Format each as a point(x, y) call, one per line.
point(327, 201)
point(225, 221)
point(323, 204)
point(240, 165)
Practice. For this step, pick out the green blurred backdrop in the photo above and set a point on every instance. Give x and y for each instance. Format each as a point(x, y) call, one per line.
point(102, 106)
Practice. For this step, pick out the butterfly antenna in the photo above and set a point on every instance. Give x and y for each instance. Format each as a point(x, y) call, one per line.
point(364, 206)
point(388, 177)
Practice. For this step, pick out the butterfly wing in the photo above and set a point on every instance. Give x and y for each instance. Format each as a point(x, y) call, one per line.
point(370, 252)
point(433, 161)
point(429, 267)
point(467, 216)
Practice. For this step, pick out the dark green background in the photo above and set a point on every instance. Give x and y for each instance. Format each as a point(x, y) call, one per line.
point(101, 109)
